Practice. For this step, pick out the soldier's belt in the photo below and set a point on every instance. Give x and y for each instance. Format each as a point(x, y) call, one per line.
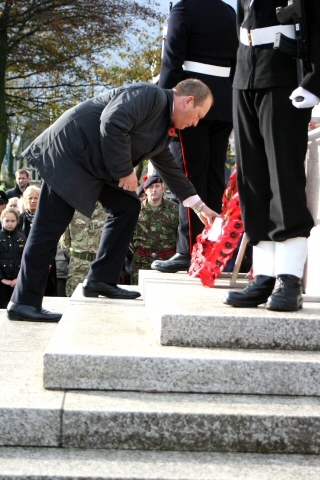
point(207, 69)
point(150, 253)
point(261, 36)
point(84, 256)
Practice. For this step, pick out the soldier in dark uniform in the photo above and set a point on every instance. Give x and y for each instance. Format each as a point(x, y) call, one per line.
point(201, 43)
point(271, 134)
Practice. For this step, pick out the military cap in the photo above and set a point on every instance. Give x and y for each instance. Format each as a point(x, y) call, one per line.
point(150, 180)
point(140, 190)
point(3, 197)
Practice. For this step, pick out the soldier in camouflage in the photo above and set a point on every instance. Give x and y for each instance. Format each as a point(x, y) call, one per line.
point(80, 242)
point(155, 235)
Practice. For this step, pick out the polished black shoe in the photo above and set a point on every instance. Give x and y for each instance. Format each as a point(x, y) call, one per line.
point(28, 313)
point(177, 263)
point(286, 295)
point(252, 295)
point(91, 288)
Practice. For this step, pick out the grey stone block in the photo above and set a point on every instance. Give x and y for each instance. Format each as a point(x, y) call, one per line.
point(194, 316)
point(110, 345)
point(79, 464)
point(191, 422)
point(29, 414)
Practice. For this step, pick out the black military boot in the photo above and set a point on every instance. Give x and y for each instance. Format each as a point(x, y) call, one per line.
point(177, 263)
point(255, 293)
point(286, 295)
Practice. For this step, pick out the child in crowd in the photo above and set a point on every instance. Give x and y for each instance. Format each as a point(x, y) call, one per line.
point(12, 244)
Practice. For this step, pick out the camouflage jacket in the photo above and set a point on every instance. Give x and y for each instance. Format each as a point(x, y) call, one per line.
point(83, 234)
point(156, 229)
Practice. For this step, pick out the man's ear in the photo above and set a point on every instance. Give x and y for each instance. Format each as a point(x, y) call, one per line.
point(189, 99)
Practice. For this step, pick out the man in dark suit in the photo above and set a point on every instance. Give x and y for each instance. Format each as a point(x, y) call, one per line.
point(89, 154)
point(201, 43)
point(271, 135)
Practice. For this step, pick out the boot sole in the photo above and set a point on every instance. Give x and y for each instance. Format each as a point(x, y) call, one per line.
point(97, 294)
point(171, 270)
point(243, 304)
point(284, 308)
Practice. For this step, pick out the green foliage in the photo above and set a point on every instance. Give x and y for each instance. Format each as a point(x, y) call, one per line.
point(51, 53)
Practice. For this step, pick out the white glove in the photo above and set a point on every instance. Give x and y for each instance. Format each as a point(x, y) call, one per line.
point(309, 100)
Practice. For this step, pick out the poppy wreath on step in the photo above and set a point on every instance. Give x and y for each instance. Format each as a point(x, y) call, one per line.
point(209, 258)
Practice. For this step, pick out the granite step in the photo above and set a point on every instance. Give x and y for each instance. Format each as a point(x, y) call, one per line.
point(191, 422)
point(29, 414)
point(79, 464)
point(190, 315)
point(103, 344)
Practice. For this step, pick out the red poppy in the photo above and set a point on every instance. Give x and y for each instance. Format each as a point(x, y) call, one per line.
point(171, 131)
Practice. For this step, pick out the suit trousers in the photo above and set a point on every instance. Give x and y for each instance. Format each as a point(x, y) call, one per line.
point(52, 218)
point(271, 137)
point(202, 154)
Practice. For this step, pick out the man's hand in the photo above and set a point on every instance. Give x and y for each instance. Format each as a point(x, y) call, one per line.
point(129, 183)
point(207, 215)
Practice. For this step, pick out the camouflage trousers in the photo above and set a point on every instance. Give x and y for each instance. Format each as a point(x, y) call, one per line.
point(78, 270)
point(140, 262)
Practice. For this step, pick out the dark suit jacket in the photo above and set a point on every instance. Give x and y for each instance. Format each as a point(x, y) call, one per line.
point(202, 31)
point(264, 67)
point(102, 139)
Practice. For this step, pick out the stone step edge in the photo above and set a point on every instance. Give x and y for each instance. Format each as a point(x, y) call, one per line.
point(77, 464)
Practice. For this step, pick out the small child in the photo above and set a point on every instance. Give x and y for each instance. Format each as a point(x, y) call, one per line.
point(12, 244)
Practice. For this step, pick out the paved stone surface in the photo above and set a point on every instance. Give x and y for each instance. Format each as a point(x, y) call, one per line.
point(105, 344)
point(193, 316)
point(79, 464)
point(191, 422)
point(29, 414)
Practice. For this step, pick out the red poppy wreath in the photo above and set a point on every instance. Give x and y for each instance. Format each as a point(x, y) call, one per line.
point(209, 258)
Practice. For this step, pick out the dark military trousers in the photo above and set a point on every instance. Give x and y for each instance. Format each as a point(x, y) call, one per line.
point(52, 218)
point(271, 138)
point(202, 154)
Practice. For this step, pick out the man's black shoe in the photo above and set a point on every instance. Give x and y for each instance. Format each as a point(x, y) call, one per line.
point(91, 288)
point(178, 262)
point(286, 295)
point(255, 293)
point(28, 313)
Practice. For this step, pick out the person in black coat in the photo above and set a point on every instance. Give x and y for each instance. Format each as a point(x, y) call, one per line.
point(89, 154)
point(12, 243)
point(271, 135)
point(22, 182)
point(201, 43)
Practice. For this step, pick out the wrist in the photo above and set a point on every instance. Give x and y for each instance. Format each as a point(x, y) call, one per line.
point(199, 207)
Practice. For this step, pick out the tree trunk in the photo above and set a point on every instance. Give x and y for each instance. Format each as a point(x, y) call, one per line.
point(3, 111)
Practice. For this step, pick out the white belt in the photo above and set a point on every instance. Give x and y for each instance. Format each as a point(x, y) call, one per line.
point(260, 36)
point(206, 69)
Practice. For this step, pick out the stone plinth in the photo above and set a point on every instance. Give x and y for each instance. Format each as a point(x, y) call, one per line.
point(312, 272)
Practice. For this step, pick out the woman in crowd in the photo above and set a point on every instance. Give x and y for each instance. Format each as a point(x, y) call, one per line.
point(12, 243)
point(31, 198)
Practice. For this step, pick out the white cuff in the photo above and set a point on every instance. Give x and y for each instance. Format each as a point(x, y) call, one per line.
point(190, 201)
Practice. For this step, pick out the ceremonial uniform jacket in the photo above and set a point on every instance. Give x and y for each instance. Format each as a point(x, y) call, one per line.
point(100, 141)
point(11, 248)
point(262, 66)
point(202, 31)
